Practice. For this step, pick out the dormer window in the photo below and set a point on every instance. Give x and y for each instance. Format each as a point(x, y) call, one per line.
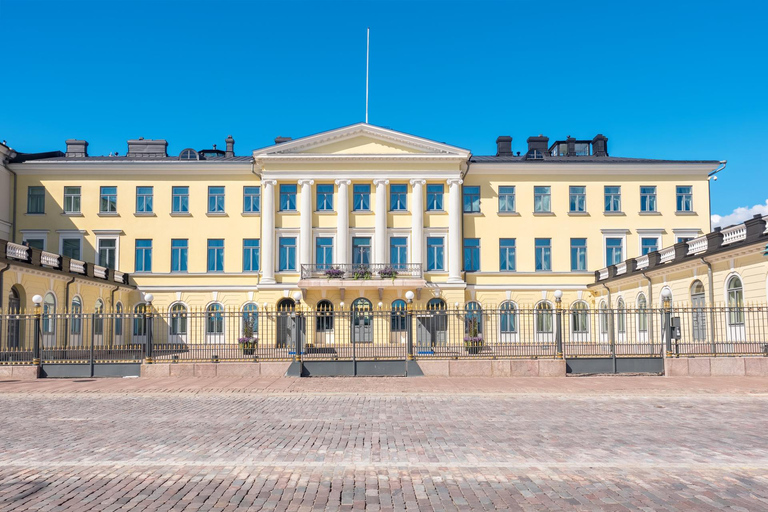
point(189, 154)
point(535, 154)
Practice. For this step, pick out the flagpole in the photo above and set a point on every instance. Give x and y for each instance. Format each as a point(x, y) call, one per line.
point(367, 58)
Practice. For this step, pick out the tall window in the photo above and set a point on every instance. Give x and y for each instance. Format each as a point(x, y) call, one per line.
point(250, 255)
point(603, 316)
point(143, 255)
point(36, 200)
point(178, 320)
point(214, 319)
point(361, 197)
point(473, 321)
point(398, 252)
point(180, 200)
point(544, 317)
point(435, 252)
point(251, 199)
point(71, 199)
point(179, 250)
point(325, 316)
point(735, 301)
point(648, 199)
point(398, 197)
point(434, 198)
point(642, 313)
point(471, 254)
point(98, 318)
point(361, 250)
point(621, 317)
point(614, 251)
point(76, 325)
point(70, 247)
point(139, 323)
point(108, 200)
point(144, 199)
point(324, 252)
point(250, 320)
point(215, 255)
point(508, 317)
point(578, 254)
point(287, 198)
point(507, 255)
point(107, 248)
point(471, 199)
point(325, 197)
point(215, 199)
point(543, 254)
point(542, 199)
point(579, 318)
point(49, 314)
point(507, 200)
point(118, 319)
point(287, 254)
point(685, 199)
point(577, 199)
point(399, 316)
point(612, 199)
point(648, 245)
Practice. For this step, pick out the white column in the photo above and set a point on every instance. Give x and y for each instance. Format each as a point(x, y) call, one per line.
point(305, 223)
point(454, 231)
point(342, 222)
point(268, 231)
point(380, 222)
point(417, 222)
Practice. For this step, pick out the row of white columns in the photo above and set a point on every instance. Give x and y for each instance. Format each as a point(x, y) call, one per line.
point(342, 227)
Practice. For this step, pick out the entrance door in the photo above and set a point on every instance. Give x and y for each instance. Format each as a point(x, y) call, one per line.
point(14, 308)
point(286, 324)
point(362, 321)
point(432, 326)
point(698, 317)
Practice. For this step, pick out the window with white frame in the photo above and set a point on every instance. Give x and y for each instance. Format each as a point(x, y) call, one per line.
point(684, 198)
point(251, 199)
point(507, 255)
point(215, 255)
point(543, 254)
point(71, 199)
point(435, 253)
point(251, 254)
point(648, 244)
point(71, 246)
point(507, 199)
point(647, 199)
point(614, 251)
point(144, 197)
point(215, 199)
point(287, 254)
point(180, 200)
point(735, 301)
point(107, 251)
point(398, 197)
point(577, 199)
point(325, 197)
point(435, 197)
point(542, 199)
point(612, 199)
point(108, 200)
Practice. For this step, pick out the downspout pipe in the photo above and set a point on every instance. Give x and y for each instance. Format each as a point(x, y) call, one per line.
point(67, 309)
point(650, 306)
point(2, 287)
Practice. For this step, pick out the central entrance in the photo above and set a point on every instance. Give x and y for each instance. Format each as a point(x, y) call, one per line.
point(362, 321)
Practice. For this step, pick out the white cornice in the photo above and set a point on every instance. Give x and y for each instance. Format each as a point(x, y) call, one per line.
point(82, 167)
point(590, 168)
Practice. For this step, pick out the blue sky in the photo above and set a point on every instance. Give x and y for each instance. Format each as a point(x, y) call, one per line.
point(680, 80)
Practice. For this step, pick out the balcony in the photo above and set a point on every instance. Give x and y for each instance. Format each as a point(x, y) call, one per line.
point(362, 276)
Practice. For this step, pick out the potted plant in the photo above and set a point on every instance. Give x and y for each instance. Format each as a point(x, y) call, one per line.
point(362, 272)
point(249, 341)
point(388, 273)
point(334, 273)
point(473, 340)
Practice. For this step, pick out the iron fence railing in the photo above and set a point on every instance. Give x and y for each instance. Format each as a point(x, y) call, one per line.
point(262, 334)
point(362, 271)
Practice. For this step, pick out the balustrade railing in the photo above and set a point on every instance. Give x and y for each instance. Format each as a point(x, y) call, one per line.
point(362, 271)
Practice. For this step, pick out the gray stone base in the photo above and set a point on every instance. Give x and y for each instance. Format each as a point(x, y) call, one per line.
point(494, 368)
point(716, 366)
point(208, 370)
point(18, 372)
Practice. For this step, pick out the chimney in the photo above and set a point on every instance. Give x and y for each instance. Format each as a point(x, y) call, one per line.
point(141, 148)
point(77, 148)
point(230, 147)
point(540, 144)
point(280, 140)
point(504, 145)
point(570, 146)
point(600, 145)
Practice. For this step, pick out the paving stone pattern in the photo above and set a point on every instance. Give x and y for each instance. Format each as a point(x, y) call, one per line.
point(223, 451)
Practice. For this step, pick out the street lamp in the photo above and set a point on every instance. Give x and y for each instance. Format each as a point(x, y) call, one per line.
point(148, 298)
point(559, 324)
point(37, 300)
point(409, 295)
point(666, 297)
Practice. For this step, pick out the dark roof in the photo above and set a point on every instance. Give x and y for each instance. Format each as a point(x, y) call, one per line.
point(23, 157)
point(583, 159)
point(58, 156)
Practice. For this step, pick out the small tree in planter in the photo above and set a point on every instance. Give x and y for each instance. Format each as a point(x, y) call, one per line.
point(388, 273)
point(249, 340)
point(334, 273)
point(473, 340)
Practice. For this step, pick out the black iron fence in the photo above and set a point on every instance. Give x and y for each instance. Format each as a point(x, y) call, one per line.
point(379, 334)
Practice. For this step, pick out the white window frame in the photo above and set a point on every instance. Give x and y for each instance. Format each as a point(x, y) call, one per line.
point(362, 233)
point(648, 233)
point(400, 233)
point(114, 234)
point(615, 233)
point(686, 233)
point(35, 234)
point(287, 233)
point(436, 233)
point(71, 234)
point(324, 233)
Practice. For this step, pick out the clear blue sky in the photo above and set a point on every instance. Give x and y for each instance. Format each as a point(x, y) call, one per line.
point(681, 80)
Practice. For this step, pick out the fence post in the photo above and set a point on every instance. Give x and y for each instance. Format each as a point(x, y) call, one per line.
point(148, 328)
point(559, 323)
point(37, 299)
point(93, 338)
point(409, 295)
point(666, 295)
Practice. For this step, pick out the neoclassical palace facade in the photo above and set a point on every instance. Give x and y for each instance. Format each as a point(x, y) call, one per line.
point(358, 215)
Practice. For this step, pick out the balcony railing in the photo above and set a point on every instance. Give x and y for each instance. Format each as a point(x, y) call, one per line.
point(358, 271)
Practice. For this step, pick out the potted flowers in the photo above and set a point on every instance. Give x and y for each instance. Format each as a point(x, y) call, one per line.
point(362, 272)
point(388, 273)
point(473, 340)
point(249, 341)
point(334, 273)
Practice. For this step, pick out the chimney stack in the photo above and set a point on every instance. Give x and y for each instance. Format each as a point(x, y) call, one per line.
point(504, 145)
point(600, 145)
point(570, 146)
point(540, 144)
point(141, 148)
point(230, 147)
point(280, 140)
point(77, 148)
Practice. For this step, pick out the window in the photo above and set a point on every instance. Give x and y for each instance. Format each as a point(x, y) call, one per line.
point(35, 243)
point(70, 247)
point(612, 199)
point(287, 198)
point(361, 197)
point(543, 254)
point(143, 255)
point(250, 320)
point(214, 319)
point(49, 314)
point(36, 200)
point(180, 200)
point(325, 198)
point(398, 198)
point(508, 317)
point(107, 248)
point(577, 199)
point(578, 254)
point(398, 252)
point(471, 254)
point(179, 250)
point(473, 322)
point(542, 199)
point(71, 199)
point(251, 199)
point(684, 199)
point(76, 324)
point(507, 200)
point(647, 199)
point(324, 252)
point(544, 317)
point(250, 255)
point(399, 316)
point(143, 199)
point(735, 301)
point(325, 316)
point(215, 255)
point(108, 200)
point(98, 318)
point(215, 199)
point(139, 321)
point(614, 251)
point(603, 314)
point(119, 319)
point(361, 250)
point(621, 317)
point(471, 199)
point(178, 320)
point(642, 313)
point(287, 254)
point(684, 239)
point(648, 245)
point(434, 198)
point(507, 256)
point(435, 252)
point(579, 318)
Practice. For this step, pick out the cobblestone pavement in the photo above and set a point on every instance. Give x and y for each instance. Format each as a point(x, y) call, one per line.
point(375, 451)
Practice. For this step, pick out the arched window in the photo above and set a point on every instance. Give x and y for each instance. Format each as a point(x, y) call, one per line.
point(436, 304)
point(139, 321)
point(642, 313)
point(579, 317)
point(178, 319)
point(98, 318)
point(325, 316)
point(399, 320)
point(119, 319)
point(14, 301)
point(508, 317)
point(603, 313)
point(189, 154)
point(697, 292)
point(76, 325)
point(49, 314)
point(214, 319)
point(473, 320)
point(286, 305)
point(544, 317)
point(250, 320)
point(14, 323)
point(735, 301)
point(621, 316)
